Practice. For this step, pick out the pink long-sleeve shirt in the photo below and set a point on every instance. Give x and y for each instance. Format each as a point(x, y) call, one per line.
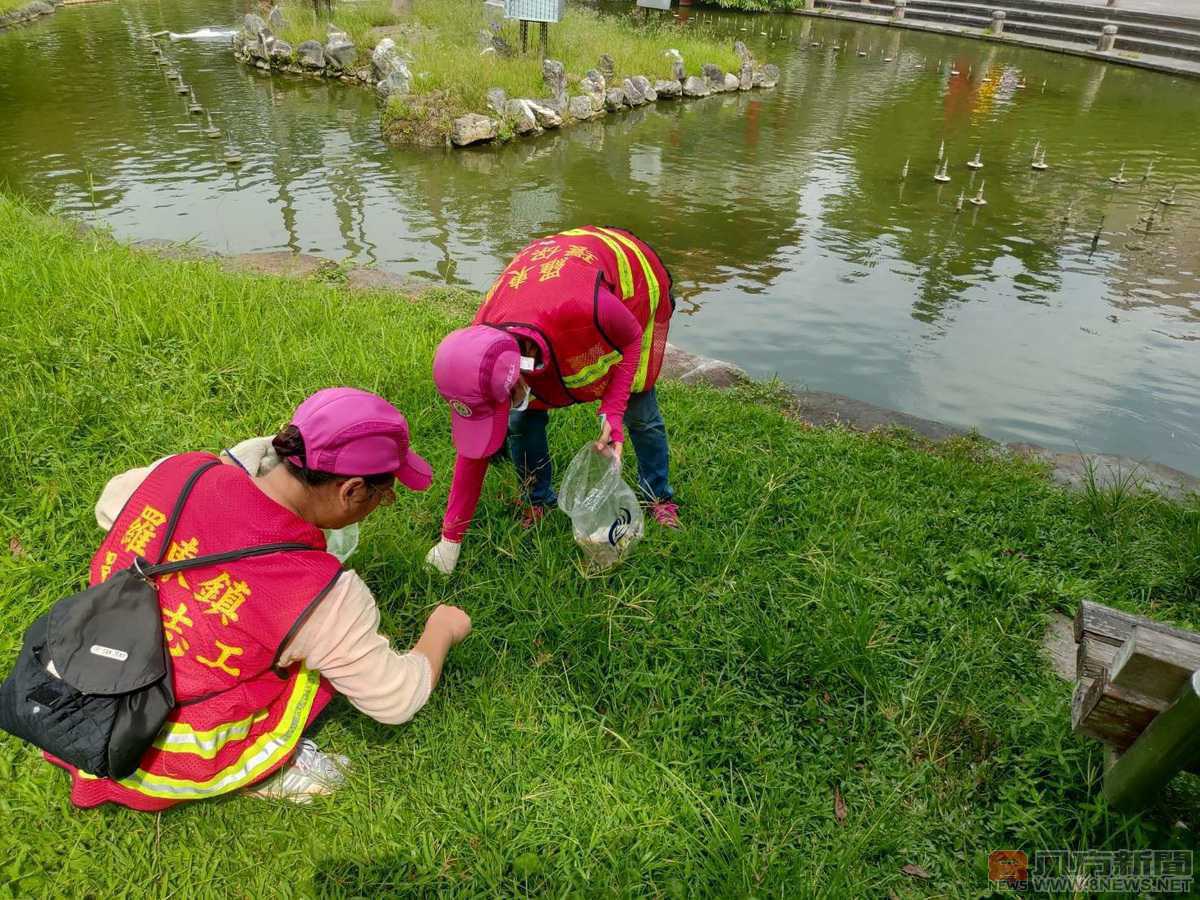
point(623, 329)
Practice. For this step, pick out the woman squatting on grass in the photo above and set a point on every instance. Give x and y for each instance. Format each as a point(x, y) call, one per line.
point(260, 646)
point(575, 317)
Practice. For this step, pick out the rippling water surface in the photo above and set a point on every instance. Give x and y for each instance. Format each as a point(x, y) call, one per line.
point(798, 249)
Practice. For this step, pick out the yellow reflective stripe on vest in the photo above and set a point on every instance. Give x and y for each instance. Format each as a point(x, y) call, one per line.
point(639, 380)
point(594, 372)
point(267, 750)
point(623, 268)
point(181, 738)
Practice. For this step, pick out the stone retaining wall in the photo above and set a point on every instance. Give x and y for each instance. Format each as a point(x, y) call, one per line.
point(506, 117)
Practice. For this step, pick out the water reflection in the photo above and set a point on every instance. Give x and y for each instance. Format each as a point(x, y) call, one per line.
point(796, 246)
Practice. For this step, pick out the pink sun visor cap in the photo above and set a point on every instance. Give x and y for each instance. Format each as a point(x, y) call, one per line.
point(475, 369)
point(351, 432)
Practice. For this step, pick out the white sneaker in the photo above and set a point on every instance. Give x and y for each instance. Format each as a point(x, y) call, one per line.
point(311, 773)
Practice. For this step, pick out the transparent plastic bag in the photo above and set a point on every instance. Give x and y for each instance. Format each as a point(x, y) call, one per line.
point(605, 514)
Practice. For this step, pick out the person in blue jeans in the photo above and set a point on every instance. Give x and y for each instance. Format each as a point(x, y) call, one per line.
point(530, 453)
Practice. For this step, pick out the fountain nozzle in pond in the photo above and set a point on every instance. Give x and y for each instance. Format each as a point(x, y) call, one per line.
point(977, 162)
point(1039, 162)
point(940, 174)
point(1149, 171)
point(194, 107)
point(1120, 178)
point(1169, 200)
point(978, 198)
point(961, 196)
point(942, 151)
point(181, 88)
point(212, 132)
point(904, 171)
point(232, 157)
point(1099, 231)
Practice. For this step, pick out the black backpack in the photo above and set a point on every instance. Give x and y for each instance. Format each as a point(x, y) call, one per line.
point(92, 684)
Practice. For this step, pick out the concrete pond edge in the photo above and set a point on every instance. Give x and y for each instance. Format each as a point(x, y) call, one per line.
point(817, 409)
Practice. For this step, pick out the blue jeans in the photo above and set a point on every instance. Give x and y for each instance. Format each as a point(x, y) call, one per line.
point(644, 426)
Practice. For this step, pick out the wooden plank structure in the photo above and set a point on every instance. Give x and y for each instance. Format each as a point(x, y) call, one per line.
point(1137, 689)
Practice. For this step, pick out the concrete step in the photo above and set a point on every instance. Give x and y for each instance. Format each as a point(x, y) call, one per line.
point(1115, 14)
point(1084, 23)
point(1017, 25)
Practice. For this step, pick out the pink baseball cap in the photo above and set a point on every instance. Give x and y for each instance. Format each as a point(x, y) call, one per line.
point(351, 432)
point(475, 369)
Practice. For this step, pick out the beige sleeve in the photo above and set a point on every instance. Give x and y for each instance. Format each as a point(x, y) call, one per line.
point(255, 455)
point(341, 640)
point(117, 493)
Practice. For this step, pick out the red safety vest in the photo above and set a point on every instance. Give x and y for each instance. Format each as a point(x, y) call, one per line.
point(238, 718)
point(553, 286)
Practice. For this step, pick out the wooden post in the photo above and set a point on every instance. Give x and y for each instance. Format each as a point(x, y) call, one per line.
point(1167, 745)
point(524, 37)
point(544, 38)
point(1154, 663)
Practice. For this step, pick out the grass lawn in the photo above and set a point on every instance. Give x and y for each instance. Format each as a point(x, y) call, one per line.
point(840, 614)
point(442, 37)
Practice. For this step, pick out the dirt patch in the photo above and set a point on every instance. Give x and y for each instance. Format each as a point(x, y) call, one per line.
point(280, 262)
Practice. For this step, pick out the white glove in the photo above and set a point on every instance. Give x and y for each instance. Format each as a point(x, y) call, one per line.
point(443, 556)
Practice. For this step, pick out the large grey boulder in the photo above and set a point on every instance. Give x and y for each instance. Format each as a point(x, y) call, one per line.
point(677, 70)
point(252, 25)
point(770, 75)
point(642, 83)
point(260, 47)
point(554, 74)
point(497, 100)
point(580, 107)
point(695, 87)
point(668, 89)
point(547, 116)
point(280, 52)
point(389, 69)
point(746, 80)
point(732, 82)
point(472, 129)
point(614, 99)
point(714, 76)
point(519, 114)
point(634, 95)
point(593, 86)
point(311, 55)
point(384, 58)
point(607, 67)
point(399, 81)
point(340, 52)
point(743, 52)
point(275, 19)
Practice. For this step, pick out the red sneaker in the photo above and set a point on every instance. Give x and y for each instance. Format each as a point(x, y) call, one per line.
point(532, 515)
point(665, 513)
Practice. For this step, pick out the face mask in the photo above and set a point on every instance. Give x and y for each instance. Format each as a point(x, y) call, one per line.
point(342, 542)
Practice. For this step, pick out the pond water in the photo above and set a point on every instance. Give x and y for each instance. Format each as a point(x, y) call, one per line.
point(797, 249)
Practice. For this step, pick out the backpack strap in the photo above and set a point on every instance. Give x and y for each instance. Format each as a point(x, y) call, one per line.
point(177, 511)
point(212, 559)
